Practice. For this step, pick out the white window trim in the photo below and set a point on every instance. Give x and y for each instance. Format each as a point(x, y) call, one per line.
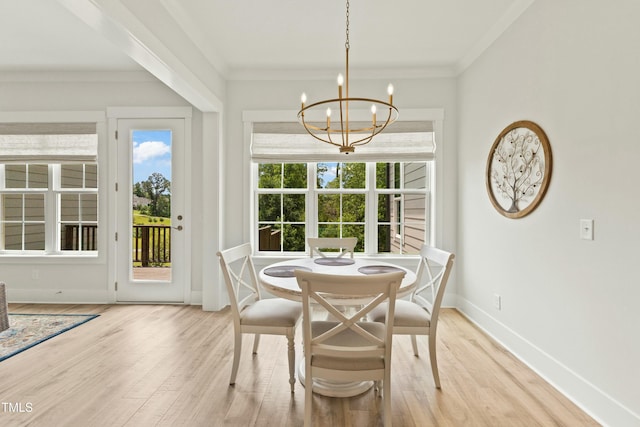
point(435, 204)
point(99, 118)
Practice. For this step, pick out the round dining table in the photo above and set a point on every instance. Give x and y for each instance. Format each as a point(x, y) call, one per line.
point(279, 279)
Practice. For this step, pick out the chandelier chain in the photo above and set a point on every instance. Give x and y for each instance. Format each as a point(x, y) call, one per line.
point(346, 45)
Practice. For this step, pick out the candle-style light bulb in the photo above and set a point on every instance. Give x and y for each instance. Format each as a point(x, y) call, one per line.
point(328, 112)
point(303, 98)
point(390, 92)
point(340, 80)
point(328, 118)
point(373, 113)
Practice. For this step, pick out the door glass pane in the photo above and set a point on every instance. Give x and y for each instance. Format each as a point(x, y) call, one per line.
point(151, 210)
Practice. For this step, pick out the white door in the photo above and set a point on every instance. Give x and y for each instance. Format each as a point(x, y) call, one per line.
point(150, 211)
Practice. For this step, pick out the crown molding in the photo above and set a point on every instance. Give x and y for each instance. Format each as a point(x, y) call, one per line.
point(45, 76)
point(269, 74)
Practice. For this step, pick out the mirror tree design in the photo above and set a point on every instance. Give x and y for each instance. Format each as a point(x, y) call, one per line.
point(518, 169)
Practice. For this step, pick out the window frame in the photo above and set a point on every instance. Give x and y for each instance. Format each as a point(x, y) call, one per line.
point(67, 257)
point(52, 209)
point(435, 202)
point(371, 195)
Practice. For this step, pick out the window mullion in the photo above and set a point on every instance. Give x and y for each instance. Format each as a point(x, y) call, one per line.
point(52, 211)
point(371, 214)
point(311, 214)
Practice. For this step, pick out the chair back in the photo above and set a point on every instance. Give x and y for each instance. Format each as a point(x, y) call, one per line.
point(432, 275)
point(330, 291)
point(343, 245)
point(240, 277)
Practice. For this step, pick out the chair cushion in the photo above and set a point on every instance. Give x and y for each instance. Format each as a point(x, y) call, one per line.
point(407, 314)
point(272, 312)
point(348, 338)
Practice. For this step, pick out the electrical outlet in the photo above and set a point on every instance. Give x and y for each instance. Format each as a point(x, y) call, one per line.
point(586, 229)
point(497, 301)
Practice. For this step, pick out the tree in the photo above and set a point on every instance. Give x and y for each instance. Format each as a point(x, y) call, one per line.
point(154, 189)
point(284, 212)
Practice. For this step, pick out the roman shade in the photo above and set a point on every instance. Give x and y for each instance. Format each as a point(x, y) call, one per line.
point(288, 142)
point(49, 142)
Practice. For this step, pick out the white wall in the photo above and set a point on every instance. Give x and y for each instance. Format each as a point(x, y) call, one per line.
point(66, 280)
point(569, 305)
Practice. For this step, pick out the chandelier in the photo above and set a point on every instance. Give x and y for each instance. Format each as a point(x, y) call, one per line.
point(342, 133)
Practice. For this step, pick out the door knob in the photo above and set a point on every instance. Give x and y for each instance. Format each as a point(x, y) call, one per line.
point(179, 228)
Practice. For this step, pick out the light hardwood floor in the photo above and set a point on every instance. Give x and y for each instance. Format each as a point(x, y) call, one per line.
point(168, 365)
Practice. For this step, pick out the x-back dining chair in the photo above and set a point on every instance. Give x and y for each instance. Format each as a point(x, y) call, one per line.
point(343, 245)
point(348, 349)
point(419, 315)
point(251, 313)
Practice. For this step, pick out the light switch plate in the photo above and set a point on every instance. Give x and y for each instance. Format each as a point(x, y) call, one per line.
point(586, 229)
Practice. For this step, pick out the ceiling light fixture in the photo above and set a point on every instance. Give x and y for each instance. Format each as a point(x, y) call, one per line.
point(344, 134)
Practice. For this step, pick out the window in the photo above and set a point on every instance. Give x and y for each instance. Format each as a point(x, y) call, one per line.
point(48, 188)
point(281, 195)
point(339, 203)
point(383, 195)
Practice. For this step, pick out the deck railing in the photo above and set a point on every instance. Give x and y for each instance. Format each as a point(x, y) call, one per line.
point(268, 239)
point(151, 243)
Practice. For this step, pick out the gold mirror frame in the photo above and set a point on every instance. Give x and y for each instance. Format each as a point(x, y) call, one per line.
point(518, 171)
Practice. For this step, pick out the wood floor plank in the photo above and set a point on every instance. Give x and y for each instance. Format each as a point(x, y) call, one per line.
point(169, 365)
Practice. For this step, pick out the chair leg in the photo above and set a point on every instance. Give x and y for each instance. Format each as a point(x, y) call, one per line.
point(237, 348)
point(256, 341)
point(434, 360)
point(386, 398)
point(414, 343)
point(308, 397)
point(291, 352)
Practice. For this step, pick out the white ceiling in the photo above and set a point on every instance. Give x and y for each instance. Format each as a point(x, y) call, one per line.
point(241, 38)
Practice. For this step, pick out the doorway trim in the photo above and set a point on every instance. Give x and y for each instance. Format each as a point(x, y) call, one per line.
point(113, 115)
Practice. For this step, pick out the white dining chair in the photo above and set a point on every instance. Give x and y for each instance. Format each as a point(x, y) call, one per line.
point(347, 349)
point(419, 315)
point(251, 313)
point(342, 245)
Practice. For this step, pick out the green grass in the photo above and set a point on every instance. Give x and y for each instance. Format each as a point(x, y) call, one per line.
point(139, 219)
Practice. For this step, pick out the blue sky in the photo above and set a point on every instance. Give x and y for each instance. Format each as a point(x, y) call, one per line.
point(330, 174)
point(151, 153)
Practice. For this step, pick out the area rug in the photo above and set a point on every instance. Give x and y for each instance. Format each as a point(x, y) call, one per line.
point(28, 330)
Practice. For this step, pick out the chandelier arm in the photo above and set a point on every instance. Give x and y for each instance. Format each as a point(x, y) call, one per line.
point(321, 139)
point(308, 127)
point(376, 131)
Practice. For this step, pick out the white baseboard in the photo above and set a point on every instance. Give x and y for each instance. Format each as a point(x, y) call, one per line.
point(592, 400)
point(57, 296)
point(73, 296)
point(196, 298)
